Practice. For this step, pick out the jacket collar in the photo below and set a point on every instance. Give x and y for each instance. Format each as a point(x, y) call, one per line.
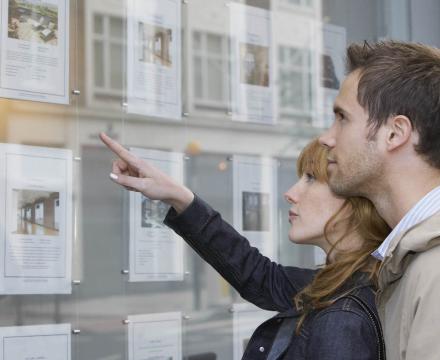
point(417, 239)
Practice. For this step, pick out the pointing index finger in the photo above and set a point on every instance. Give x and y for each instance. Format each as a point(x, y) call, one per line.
point(118, 149)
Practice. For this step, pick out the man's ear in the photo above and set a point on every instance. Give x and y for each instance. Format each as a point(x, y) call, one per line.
point(399, 131)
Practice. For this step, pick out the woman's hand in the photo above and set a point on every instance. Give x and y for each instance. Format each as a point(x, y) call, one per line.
point(136, 174)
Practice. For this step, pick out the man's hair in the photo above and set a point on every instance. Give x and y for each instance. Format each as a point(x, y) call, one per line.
point(398, 78)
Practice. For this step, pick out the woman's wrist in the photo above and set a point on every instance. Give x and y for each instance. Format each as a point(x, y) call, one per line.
point(182, 199)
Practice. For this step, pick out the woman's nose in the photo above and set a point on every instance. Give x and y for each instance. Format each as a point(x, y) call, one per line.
point(291, 195)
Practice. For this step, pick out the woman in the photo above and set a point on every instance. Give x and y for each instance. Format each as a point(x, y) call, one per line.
point(325, 314)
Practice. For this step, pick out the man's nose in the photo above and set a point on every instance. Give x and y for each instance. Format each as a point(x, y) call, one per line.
point(327, 139)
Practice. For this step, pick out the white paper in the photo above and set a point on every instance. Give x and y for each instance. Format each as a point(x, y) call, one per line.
point(35, 220)
point(247, 318)
point(154, 58)
point(35, 50)
point(40, 342)
point(332, 70)
point(252, 77)
point(155, 251)
point(255, 202)
point(155, 336)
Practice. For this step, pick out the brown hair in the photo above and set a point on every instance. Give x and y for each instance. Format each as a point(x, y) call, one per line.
point(398, 78)
point(362, 218)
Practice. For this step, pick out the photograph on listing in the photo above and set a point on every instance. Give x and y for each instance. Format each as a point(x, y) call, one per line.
point(155, 44)
point(34, 21)
point(254, 61)
point(38, 212)
point(256, 211)
point(36, 230)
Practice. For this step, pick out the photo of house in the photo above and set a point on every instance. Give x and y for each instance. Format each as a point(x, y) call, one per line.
point(34, 21)
point(254, 64)
point(155, 44)
point(256, 211)
point(38, 212)
point(152, 213)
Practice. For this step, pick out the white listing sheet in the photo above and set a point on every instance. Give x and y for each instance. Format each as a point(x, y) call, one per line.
point(156, 252)
point(40, 342)
point(34, 50)
point(334, 42)
point(252, 78)
point(155, 336)
point(255, 202)
point(35, 220)
point(154, 58)
point(247, 318)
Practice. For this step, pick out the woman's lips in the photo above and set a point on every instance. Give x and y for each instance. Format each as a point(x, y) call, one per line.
point(292, 215)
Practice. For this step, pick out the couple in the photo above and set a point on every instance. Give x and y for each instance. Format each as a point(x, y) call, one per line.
point(383, 149)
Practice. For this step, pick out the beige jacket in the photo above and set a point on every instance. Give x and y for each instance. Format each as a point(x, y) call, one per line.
point(409, 293)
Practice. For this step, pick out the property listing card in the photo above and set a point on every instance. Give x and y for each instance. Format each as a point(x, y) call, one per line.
point(255, 202)
point(252, 77)
point(155, 336)
point(40, 342)
point(155, 251)
point(246, 319)
point(154, 58)
point(35, 220)
point(34, 50)
point(334, 43)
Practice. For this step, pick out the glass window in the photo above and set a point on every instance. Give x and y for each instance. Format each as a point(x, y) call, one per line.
point(223, 99)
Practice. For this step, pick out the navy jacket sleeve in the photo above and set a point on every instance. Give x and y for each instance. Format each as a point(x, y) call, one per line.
point(257, 279)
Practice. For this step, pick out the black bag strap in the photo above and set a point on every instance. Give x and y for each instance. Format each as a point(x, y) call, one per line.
point(376, 322)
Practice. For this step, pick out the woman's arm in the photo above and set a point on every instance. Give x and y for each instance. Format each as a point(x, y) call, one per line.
point(257, 279)
point(266, 284)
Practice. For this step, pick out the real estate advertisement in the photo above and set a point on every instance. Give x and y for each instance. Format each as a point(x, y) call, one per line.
point(35, 50)
point(255, 202)
point(38, 342)
point(252, 78)
point(154, 58)
point(155, 251)
point(36, 220)
point(155, 336)
point(332, 67)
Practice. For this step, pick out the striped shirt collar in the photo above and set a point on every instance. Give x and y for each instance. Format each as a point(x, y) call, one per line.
point(423, 209)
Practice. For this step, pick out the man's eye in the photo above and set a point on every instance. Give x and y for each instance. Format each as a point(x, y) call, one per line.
point(340, 117)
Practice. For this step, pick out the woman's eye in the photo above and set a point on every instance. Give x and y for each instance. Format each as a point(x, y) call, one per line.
point(309, 177)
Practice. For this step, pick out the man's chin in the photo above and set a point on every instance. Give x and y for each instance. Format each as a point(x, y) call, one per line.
point(337, 186)
point(342, 189)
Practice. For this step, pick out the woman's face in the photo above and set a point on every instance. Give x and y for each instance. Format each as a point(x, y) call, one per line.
point(313, 204)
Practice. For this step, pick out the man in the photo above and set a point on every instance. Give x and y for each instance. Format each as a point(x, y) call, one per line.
point(385, 145)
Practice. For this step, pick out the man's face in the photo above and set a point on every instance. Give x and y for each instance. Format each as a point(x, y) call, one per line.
point(354, 159)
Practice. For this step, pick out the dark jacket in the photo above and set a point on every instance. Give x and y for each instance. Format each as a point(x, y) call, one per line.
point(341, 331)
